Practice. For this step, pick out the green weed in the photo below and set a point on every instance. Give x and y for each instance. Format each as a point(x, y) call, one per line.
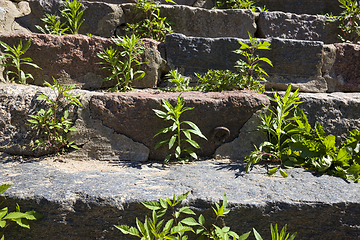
point(121, 64)
point(15, 61)
point(173, 114)
point(54, 123)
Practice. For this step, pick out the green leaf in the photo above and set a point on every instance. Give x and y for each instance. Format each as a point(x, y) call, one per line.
point(201, 220)
point(272, 171)
point(283, 173)
point(15, 215)
point(4, 187)
point(128, 230)
point(257, 235)
point(186, 210)
point(193, 143)
point(172, 141)
point(22, 223)
point(190, 221)
point(152, 205)
point(244, 236)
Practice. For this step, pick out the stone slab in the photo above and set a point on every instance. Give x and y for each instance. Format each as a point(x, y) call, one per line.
point(296, 26)
point(95, 141)
point(131, 114)
point(72, 59)
point(302, 6)
point(295, 61)
point(86, 204)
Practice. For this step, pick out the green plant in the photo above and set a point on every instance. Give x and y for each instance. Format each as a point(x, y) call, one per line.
point(175, 228)
point(180, 84)
point(278, 126)
point(239, 4)
point(15, 61)
point(349, 21)
point(53, 124)
point(121, 64)
point(173, 114)
point(275, 235)
point(20, 218)
point(250, 70)
point(218, 80)
point(294, 143)
point(152, 26)
point(53, 25)
point(72, 15)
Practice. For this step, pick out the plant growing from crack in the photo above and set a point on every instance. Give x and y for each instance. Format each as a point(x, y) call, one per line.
point(173, 114)
point(15, 61)
point(176, 228)
point(239, 4)
point(72, 14)
point(153, 26)
point(294, 143)
point(349, 21)
point(250, 69)
point(54, 123)
point(20, 218)
point(121, 64)
point(179, 83)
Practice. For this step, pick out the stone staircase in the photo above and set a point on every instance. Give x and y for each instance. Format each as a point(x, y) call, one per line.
point(115, 129)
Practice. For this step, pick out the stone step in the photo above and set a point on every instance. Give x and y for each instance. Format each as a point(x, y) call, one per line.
point(311, 66)
point(105, 19)
point(84, 201)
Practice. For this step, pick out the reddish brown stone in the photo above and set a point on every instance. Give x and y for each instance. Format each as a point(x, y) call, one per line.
point(131, 114)
point(346, 67)
point(72, 59)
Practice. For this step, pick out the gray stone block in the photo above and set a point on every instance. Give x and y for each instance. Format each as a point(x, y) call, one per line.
point(295, 61)
point(86, 204)
point(295, 26)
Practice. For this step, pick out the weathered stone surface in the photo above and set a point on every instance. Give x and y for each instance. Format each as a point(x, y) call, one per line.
point(86, 204)
point(200, 22)
point(101, 19)
point(300, 27)
point(95, 140)
point(302, 6)
point(346, 67)
point(328, 72)
point(72, 59)
point(131, 114)
point(249, 136)
point(8, 12)
point(337, 112)
point(295, 61)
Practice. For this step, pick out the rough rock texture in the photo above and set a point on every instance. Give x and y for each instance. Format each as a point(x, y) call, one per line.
point(294, 26)
point(298, 62)
point(328, 72)
point(101, 19)
point(346, 67)
point(200, 22)
point(302, 6)
point(337, 112)
point(95, 140)
point(131, 114)
point(9, 11)
point(249, 136)
point(295, 61)
point(72, 59)
point(86, 205)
